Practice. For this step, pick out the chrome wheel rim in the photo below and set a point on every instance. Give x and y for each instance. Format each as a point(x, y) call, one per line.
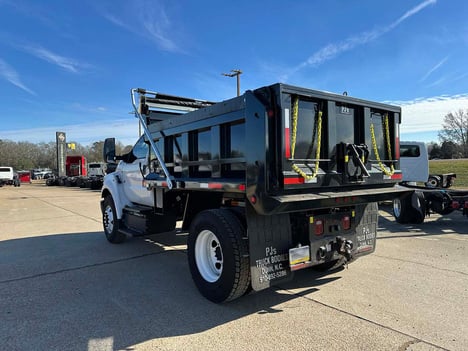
point(108, 219)
point(397, 207)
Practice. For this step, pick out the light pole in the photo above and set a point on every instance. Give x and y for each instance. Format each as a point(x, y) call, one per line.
point(235, 73)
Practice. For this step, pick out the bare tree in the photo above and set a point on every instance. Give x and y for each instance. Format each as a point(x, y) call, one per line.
point(455, 129)
point(95, 151)
point(25, 155)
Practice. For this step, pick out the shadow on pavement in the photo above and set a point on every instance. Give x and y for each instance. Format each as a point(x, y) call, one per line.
point(435, 224)
point(68, 291)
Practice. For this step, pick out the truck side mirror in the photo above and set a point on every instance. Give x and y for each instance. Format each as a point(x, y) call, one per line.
point(108, 151)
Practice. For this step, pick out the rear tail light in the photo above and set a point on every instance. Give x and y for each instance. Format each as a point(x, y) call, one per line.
point(455, 205)
point(346, 222)
point(319, 225)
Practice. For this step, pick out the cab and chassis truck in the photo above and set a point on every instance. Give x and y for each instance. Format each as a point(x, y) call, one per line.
point(429, 193)
point(278, 179)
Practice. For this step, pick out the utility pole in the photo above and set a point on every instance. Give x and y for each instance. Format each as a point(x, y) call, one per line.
point(235, 73)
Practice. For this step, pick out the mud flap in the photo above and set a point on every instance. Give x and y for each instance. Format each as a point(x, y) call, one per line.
point(366, 230)
point(269, 243)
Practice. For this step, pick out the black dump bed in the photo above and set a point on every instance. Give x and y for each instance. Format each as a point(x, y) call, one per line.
point(285, 148)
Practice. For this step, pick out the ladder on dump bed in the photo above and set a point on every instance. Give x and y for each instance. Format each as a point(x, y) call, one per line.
point(158, 107)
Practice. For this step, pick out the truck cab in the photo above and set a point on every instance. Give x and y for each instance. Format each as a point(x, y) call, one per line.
point(131, 170)
point(96, 169)
point(414, 163)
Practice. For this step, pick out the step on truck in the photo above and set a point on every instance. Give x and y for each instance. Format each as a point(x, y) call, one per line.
point(275, 180)
point(429, 193)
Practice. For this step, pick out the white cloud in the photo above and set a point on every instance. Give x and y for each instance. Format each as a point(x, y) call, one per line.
point(9, 74)
point(423, 116)
point(332, 50)
point(124, 130)
point(158, 27)
point(66, 63)
point(437, 66)
point(412, 12)
point(427, 115)
point(151, 21)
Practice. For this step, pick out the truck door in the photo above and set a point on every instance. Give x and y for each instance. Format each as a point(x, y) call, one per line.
point(132, 168)
point(414, 162)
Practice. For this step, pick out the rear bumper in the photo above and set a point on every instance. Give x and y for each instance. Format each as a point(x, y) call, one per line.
point(318, 200)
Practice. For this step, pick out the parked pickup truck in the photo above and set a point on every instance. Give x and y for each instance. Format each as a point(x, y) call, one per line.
point(9, 177)
point(278, 179)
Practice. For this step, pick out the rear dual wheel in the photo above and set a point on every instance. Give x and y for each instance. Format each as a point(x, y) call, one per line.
point(410, 208)
point(218, 255)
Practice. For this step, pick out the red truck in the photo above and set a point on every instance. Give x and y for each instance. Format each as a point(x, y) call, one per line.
point(76, 166)
point(75, 169)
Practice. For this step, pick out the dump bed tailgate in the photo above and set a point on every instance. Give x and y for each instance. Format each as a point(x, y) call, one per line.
point(320, 148)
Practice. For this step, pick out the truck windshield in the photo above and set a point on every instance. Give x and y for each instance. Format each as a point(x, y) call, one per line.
point(140, 150)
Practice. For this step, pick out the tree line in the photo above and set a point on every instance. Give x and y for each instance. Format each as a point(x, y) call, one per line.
point(453, 137)
point(24, 155)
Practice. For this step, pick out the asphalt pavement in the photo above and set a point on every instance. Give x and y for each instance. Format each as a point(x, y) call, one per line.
point(64, 287)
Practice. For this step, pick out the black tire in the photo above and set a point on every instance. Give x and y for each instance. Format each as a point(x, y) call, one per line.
point(446, 211)
point(218, 255)
point(418, 208)
point(410, 208)
point(239, 212)
point(110, 221)
point(433, 181)
point(402, 209)
point(440, 203)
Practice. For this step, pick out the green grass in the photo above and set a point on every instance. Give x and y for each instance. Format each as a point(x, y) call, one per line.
point(459, 167)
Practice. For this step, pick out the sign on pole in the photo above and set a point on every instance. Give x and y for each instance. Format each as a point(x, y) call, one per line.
point(61, 152)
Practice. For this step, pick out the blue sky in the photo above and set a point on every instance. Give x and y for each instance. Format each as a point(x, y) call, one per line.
point(69, 65)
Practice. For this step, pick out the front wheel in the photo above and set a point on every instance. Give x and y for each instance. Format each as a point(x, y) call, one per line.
point(218, 255)
point(110, 221)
